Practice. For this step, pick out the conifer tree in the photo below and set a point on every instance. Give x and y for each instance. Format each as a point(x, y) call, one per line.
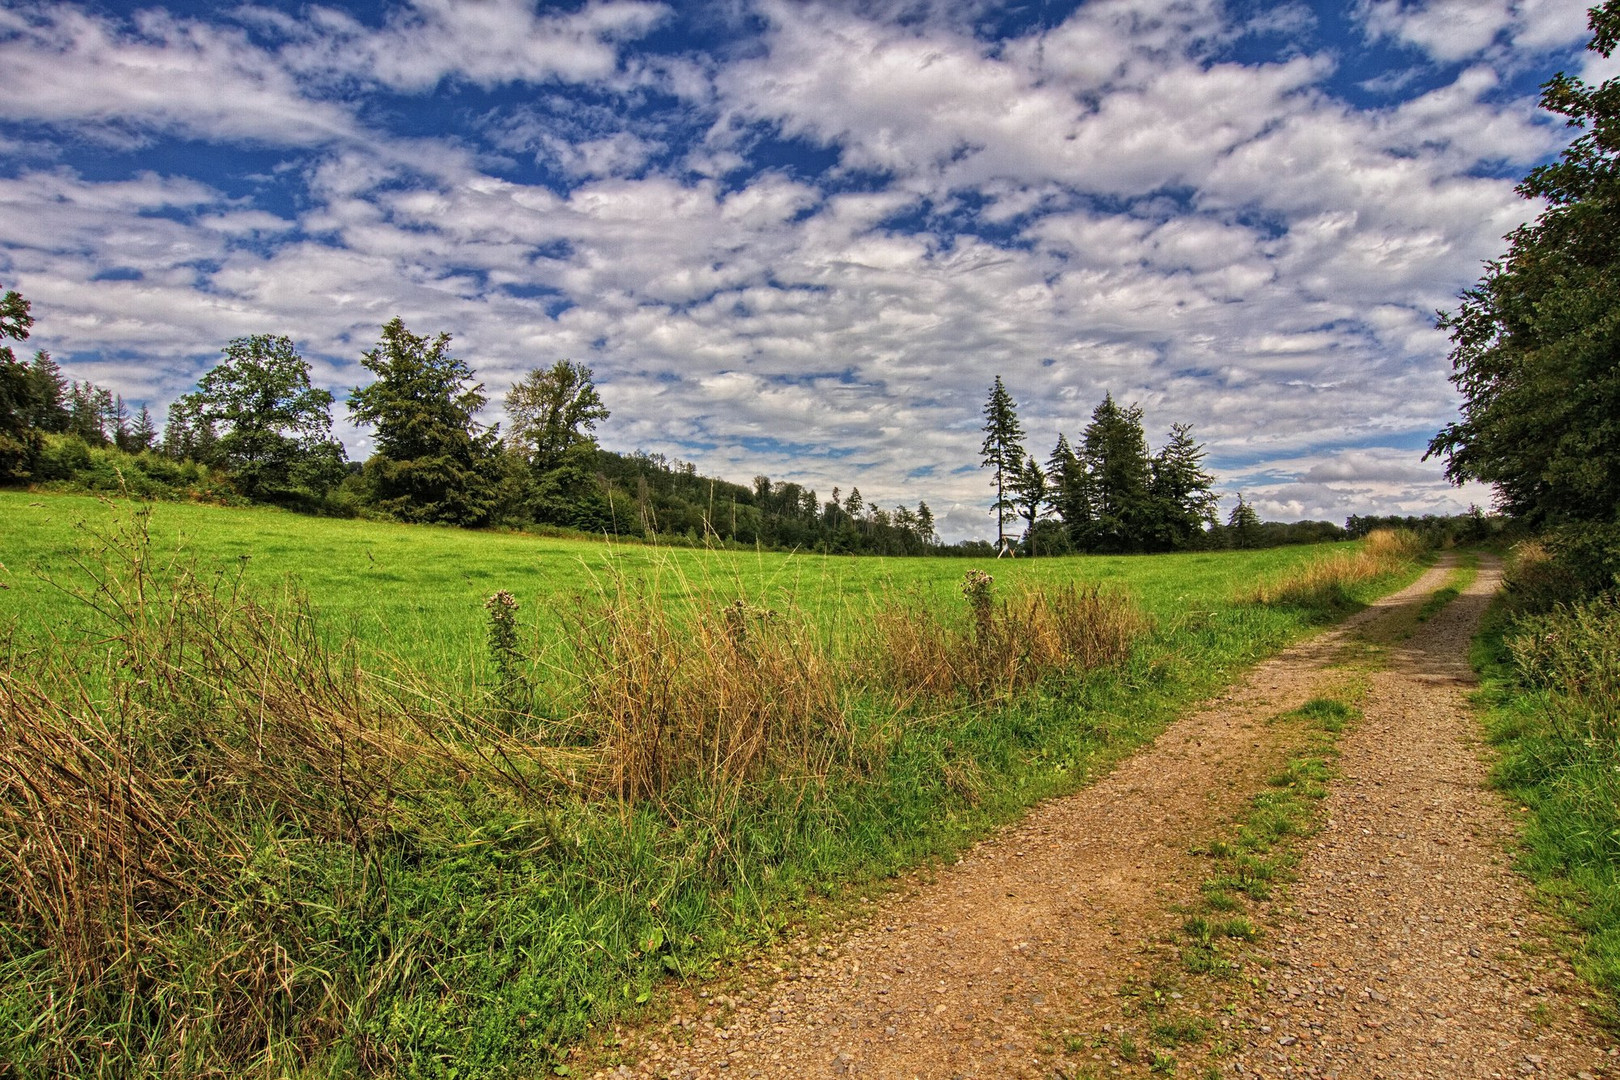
point(1003, 451)
point(144, 435)
point(1030, 495)
point(1182, 499)
point(87, 412)
point(1243, 524)
point(19, 441)
point(1071, 494)
point(50, 411)
point(1117, 458)
point(925, 524)
point(433, 459)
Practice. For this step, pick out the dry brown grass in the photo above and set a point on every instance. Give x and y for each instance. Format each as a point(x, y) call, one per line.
point(150, 781)
point(917, 651)
point(713, 692)
point(1326, 581)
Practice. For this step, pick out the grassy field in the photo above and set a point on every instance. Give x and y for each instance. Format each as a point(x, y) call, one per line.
point(240, 845)
point(417, 593)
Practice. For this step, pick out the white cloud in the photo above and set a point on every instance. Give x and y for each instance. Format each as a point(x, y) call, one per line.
point(1228, 244)
point(122, 81)
point(1454, 30)
point(486, 43)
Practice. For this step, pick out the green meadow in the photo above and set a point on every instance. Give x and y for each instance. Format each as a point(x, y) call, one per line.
point(416, 593)
point(239, 848)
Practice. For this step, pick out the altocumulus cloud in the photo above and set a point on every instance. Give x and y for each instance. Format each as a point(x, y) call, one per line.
point(801, 239)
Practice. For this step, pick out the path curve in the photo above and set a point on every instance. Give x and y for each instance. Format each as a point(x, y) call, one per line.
point(967, 975)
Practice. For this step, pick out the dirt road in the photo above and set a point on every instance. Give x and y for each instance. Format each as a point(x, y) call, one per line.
point(1407, 947)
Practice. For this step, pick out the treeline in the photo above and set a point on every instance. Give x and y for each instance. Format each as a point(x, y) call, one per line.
point(255, 429)
point(1113, 494)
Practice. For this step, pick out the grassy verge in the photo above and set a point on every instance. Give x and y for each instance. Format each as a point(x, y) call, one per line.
point(233, 847)
point(1551, 691)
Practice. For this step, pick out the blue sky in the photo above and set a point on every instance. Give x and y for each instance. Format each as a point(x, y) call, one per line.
point(801, 239)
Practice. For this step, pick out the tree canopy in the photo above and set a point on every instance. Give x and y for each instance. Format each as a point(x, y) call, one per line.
point(1536, 344)
point(552, 409)
point(275, 428)
point(433, 461)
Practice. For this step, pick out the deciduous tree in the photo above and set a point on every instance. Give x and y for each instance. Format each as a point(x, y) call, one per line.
point(552, 409)
point(1534, 344)
point(275, 427)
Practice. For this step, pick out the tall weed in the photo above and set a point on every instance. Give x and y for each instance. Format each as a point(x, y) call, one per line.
point(193, 802)
point(921, 650)
point(1573, 651)
point(712, 692)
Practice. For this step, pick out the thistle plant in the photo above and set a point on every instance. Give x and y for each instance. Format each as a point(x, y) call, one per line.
point(511, 692)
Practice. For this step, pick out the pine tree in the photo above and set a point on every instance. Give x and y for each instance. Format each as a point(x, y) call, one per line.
point(1182, 499)
point(19, 440)
point(188, 435)
point(925, 524)
point(1002, 451)
point(144, 436)
point(118, 423)
point(1071, 490)
point(50, 411)
point(1030, 495)
point(1243, 524)
point(87, 412)
point(1116, 455)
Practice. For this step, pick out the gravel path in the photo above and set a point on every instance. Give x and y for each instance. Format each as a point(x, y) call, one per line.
point(1406, 954)
point(1412, 949)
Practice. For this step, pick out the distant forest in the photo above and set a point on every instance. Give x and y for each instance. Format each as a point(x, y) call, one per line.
point(256, 430)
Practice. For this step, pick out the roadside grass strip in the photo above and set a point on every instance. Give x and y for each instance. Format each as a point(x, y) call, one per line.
point(1551, 699)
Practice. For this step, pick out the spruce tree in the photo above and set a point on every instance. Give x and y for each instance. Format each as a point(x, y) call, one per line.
point(1116, 455)
point(1243, 524)
point(144, 436)
point(50, 411)
point(19, 440)
point(925, 524)
point(433, 462)
point(87, 408)
point(1182, 499)
point(1071, 492)
point(1030, 495)
point(1003, 451)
